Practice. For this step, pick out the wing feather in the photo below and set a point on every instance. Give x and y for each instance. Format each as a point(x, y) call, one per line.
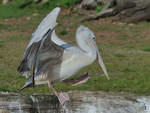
point(49, 57)
point(28, 60)
point(49, 22)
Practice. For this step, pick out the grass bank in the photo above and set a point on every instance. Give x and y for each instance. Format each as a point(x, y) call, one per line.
point(125, 49)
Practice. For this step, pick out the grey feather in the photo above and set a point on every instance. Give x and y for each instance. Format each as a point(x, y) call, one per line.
point(29, 83)
point(49, 58)
point(28, 59)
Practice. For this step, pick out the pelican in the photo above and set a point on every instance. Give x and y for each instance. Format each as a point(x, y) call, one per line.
point(49, 59)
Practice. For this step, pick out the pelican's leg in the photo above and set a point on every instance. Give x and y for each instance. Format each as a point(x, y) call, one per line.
point(62, 97)
point(83, 79)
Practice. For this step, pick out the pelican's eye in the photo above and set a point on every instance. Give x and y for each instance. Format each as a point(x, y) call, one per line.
point(94, 38)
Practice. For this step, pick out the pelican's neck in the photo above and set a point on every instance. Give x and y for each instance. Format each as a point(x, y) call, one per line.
point(57, 40)
point(87, 48)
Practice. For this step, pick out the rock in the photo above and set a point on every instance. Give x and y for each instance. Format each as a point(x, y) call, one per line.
point(120, 23)
point(89, 4)
point(36, 0)
point(81, 102)
point(100, 2)
point(44, 1)
point(131, 24)
point(4, 2)
point(103, 1)
point(6, 20)
point(35, 14)
point(28, 18)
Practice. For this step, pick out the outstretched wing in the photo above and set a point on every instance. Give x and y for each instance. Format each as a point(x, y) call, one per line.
point(48, 60)
point(28, 60)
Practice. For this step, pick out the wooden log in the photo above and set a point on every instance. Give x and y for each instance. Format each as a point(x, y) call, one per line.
point(135, 14)
point(125, 11)
point(110, 11)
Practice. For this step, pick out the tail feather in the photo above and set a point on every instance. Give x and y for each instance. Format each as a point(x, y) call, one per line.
point(28, 60)
point(29, 83)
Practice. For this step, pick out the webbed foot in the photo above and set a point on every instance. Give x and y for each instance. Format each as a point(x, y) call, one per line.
point(83, 79)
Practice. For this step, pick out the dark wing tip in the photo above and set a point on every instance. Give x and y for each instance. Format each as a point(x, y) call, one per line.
point(23, 68)
point(29, 83)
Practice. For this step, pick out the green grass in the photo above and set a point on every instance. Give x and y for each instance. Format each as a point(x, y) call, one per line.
point(125, 51)
point(147, 49)
point(119, 55)
point(13, 8)
point(6, 27)
point(1, 43)
point(63, 32)
point(65, 3)
point(7, 11)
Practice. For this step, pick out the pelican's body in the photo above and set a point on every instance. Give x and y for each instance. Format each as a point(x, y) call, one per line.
point(74, 63)
point(72, 60)
point(50, 59)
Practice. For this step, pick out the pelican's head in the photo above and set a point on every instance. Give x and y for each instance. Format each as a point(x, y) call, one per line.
point(85, 37)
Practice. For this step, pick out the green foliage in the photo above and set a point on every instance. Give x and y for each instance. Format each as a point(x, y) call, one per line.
point(99, 8)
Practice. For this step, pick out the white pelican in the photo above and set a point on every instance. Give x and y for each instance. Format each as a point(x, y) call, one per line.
point(52, 60)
